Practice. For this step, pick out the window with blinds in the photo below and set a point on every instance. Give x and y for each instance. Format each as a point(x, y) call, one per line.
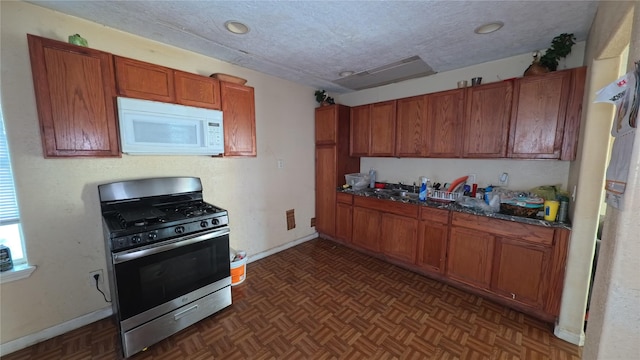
point(10, 231)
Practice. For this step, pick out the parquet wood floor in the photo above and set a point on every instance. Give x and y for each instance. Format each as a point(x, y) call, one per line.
point(321, 300)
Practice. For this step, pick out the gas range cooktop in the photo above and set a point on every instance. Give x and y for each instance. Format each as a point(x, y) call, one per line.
point(134, 225)
point(137, 213)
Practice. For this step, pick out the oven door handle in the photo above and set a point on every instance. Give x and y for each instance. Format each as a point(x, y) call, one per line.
point(158, 248)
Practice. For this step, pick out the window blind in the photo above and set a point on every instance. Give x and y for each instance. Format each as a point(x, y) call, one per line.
point(8, 205)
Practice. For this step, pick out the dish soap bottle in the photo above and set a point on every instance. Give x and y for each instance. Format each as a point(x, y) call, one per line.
point(372, 178)
point(422, 196)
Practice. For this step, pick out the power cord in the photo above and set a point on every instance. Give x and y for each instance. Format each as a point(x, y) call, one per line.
point(97, 276)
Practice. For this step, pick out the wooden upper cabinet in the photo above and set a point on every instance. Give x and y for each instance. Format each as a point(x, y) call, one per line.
point(373, 129)
point(411, 124)
point(574, 114)
point(239, 119)
point(538, 115)
point(75, 92)
point(142, 80)
point(445, 115)
point(360, 132)
point(486, 125)
point(383, 129)
point(326, 125)
point(196, 90)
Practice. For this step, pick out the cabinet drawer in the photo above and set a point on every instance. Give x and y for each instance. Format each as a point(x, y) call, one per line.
point(435, 215)
point(387, 206)
point(344, 198)
point(525, 232)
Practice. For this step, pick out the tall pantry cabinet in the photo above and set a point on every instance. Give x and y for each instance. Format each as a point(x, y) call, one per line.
point(332, 162)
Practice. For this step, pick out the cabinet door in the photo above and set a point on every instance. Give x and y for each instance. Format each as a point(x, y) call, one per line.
point(326, 189)
point(521, 271)
point(326, 125)
point(399, 237)
point(486, 126)
point(411, 126)
point(344, 221)
point(383, 129)
point(142, 80)
point(239, 119)
point(366, 228)
point(445, 113)
point(574, 114)
point(75, 97)
point(433, 231)
point(539, 109)
point(470, 256)
point(196, 90)
point(360, 133)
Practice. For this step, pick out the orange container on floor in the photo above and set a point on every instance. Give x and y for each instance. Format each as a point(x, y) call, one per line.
point(238, 271)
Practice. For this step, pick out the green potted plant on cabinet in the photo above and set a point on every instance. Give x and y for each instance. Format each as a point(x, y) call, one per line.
point(560, 48)
point(323, 98)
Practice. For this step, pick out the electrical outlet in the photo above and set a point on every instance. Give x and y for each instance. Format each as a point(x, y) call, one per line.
point(472, 179)
point(504, 179)
point(92, 280)
point(280, 164)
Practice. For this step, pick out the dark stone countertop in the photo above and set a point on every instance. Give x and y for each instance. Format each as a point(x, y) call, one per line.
point(453, 206)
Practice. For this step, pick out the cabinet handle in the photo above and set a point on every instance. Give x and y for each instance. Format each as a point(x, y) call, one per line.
point(513, 296)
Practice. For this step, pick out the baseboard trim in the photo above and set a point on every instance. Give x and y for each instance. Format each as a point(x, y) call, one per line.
point(282, 247)
point(46, 334)
point(573, 338)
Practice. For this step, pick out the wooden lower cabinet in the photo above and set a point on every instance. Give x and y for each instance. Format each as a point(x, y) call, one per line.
point(521, 271)
point(433, 232)
point(399, 237)
point(470, 256)
point(521, 265)
point(344, 217)
point(366, 228)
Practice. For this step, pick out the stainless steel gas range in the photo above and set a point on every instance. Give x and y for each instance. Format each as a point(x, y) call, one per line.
point(167, 257)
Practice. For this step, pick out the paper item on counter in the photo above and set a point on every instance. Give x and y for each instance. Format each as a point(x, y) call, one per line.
point(625, 94)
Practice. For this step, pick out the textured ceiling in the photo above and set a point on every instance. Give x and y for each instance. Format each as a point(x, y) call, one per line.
point(311, 42)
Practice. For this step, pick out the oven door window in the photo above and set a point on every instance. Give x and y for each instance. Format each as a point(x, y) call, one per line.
point(152, 280)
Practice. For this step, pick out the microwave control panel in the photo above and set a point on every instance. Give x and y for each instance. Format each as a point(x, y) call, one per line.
point(215, 134)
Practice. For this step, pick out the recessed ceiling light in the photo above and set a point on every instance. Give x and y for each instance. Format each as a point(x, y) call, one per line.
point(489, 28)
point(346, 73)
point(236, 27)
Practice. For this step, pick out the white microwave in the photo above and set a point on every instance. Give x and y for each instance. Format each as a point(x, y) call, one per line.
point(156, 128)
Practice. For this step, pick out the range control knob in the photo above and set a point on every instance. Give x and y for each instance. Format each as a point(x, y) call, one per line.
point(215, 222)
point(135, 239)
point(204, 223)
point(152, 235)
point(179, 229)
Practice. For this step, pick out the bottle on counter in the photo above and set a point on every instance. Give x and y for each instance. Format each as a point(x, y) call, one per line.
point(372, 178)
point(422, 196)
point(487, 194)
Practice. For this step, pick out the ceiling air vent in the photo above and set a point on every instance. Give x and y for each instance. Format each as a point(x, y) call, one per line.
point(406, 69)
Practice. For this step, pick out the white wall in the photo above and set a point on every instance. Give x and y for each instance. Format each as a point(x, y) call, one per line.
point(614, 315)
point(58, 198)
